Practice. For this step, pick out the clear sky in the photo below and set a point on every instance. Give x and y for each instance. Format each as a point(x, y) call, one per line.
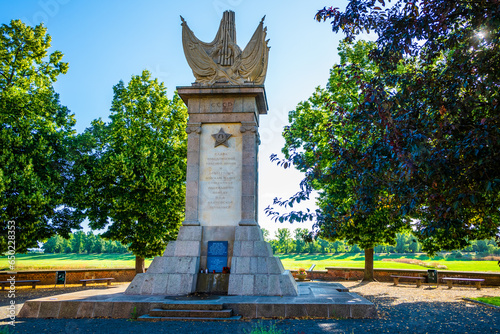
point(105, 41)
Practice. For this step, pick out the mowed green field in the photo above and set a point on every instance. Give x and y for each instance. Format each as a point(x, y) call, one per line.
point(347, 260)
point(290, 261)
point(71, 261)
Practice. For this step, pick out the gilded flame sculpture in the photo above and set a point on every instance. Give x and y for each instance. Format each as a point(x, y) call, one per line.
point(222, 61)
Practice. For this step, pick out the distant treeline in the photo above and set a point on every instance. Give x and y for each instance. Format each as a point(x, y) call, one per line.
point(80, 242)
point(284, 242)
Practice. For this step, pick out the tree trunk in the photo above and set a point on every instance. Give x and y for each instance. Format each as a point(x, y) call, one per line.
point(368, 276)
point(139, 265)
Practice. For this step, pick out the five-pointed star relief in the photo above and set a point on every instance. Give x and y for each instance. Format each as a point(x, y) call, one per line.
point(221, 138)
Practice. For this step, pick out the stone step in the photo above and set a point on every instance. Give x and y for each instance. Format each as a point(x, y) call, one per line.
point(191, 313)
point(154, 319)
point(211, 307)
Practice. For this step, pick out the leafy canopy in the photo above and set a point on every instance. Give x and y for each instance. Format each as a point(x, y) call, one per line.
point(313, 144)
point(136, 167)
point(437, 122)
point(36, 139)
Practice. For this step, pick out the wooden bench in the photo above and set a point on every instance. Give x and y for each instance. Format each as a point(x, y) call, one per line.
point(418, 279)
point(450, 281)
point(98, 280)
point(33, 283)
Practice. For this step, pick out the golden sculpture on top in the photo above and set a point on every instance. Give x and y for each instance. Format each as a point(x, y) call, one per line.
point(222, 61)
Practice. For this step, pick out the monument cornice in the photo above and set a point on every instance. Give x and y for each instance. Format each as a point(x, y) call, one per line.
point(258, 91)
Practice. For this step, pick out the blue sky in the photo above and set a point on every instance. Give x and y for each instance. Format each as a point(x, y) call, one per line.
point(105, 41)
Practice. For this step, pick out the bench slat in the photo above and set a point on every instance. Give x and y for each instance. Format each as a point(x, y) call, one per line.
point(22, 281)
point(409, 277)
point(463, 279)
point(107, 280)
point(33, 283)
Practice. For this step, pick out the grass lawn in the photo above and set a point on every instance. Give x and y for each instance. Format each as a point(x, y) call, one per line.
point(295, 261)
point(71, 261)
point(290, 261)
point(489, 300)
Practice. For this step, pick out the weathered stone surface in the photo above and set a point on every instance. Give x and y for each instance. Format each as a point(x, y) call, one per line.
point(170, 250)
point(122, 310)
point(262, 265)
point(147, 286)
point(190, 233)
point(102, 310)
point(235, 284)
point(174, 284)
point(237, 249)
point(248, 233)
point(159, 265)
point(274, 285)
point(220, 176)
point(248, 285)
point(187, 248)
point(261, 285)
point(69, 309)
point(242, 265)
point(50, 310)
point(86, 310)
point(30, 309)
point(295, 310)
point(185, 265)
point(188, 283)
point(363, 311)
point(273, 265)
point(247, 248)
point(316, 310)
point(135, 286)
point(160, 285)
point(262, 248)
point(270, 311)
point(337, 311)
point(288, 285)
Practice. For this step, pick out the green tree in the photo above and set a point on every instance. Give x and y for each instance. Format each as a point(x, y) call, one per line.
point(98, 245)
point(53, 245)
point(432, 131)
point(89, 242)
point(300, 236)
point(401, 243)
point(314, 144)
point(284, 239)
point(78, 242)
point(36, 139)
point(136, 168)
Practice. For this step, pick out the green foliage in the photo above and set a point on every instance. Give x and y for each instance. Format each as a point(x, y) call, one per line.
point(313, 144)
point(284, 240)
point(36, 140)
point(431, 130)
point(135, 167)
point(80, 242)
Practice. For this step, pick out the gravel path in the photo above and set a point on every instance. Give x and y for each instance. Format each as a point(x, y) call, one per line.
point(402, 309)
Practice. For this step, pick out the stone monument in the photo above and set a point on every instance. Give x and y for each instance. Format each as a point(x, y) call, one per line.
point(220, 234)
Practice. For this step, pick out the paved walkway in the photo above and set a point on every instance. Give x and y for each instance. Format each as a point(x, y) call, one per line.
point(402, 309)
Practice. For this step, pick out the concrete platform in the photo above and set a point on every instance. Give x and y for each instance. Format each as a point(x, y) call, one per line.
point(315, 300)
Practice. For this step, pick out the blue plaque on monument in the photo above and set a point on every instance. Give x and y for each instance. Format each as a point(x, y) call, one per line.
point(217, 256)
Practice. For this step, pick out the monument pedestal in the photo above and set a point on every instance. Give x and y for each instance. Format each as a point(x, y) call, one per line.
point(221, 200)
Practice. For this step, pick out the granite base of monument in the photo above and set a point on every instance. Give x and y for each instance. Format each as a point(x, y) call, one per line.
point(254, 269)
